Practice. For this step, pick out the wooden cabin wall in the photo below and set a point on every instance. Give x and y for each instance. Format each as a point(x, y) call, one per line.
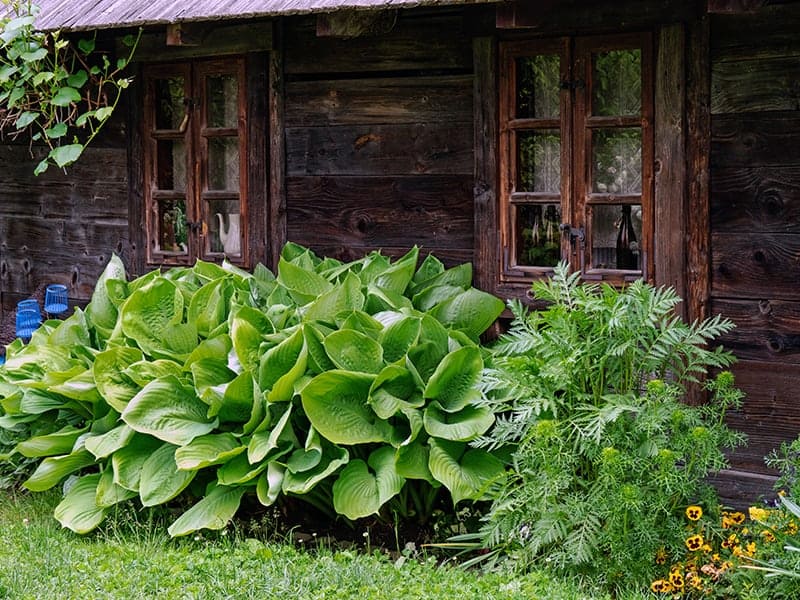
point(755, 221)
point(62, 227)
point(379, 138)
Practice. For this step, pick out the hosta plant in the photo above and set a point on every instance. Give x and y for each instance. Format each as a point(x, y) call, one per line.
point(350, 385)
point(606, 455)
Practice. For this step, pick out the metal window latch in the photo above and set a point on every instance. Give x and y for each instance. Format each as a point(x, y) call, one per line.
point(575, 233)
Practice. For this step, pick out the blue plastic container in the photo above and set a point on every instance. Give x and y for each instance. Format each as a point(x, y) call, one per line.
point(55, 299)
point(29, 304)
point(27, 322)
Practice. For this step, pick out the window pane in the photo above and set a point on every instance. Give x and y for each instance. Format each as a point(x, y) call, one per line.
point(538, 79)
point(223, 96)
point(538, 235)
point(616, 235)
point(539, 161)
point(617, 83)
point(617, 161)
point(171, 225)
point(169, 102)
point(224, 226)
point(171, 165)
point(223, 163)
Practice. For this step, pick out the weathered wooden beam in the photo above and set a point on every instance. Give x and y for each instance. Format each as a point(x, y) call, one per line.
point(276, 213)
point(732, 7)
point(352, 23)
point(186, 34)
point(519, 15)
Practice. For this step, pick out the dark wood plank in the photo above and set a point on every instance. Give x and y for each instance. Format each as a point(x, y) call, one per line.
point(137, 234)
point(276, 214)
point(434, 41)
point(756, 266)
point(487, 224)
point(772, 29)
point(406, 149)
point(670, 160)
point(766, 330)
point(430, 211)
point(769, 415)
point(741, 489)
point(379, 100)
point(698, 121)
point(757, 199)
point(755, 85)
point(257, 68)
point(755, 140)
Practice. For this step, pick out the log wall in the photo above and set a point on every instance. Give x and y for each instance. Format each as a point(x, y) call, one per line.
point(755, 221)
point(379, 138)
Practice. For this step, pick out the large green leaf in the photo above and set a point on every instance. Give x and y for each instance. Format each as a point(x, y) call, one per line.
point(51, 444)
point(280, 360)
point(472, 311)
point(236, 403)
point(211, 378)
point(114, 385)
point(462, 426)
point(333, 458)
point(453, 382)
point(212, 512)
point(107, 443)
point(270, 483)
point(397, 276)
point(307, 457)
point(248, 327)
point(80, 387)
point(78, 510)
point(238, 470)
point(394, 388)
point(336, 404)
point(358, 492)
point(411, 462)
point(101, 310)
point(109, 493)
point(264, 441)
point(54, 468)
point(354, 351)
point(343, 297)
point(152, 317)
point(398, 337)
point(170, 411)
point(209, 306)
point(161, 480)
point(207, 450)
point(465, 474)
point(127, 462)
point(303, 284)
point(145, 371)
point(318, 359)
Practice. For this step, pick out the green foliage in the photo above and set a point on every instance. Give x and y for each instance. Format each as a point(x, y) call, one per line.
point(605, 454)
point(58, 91)
point(327, 382)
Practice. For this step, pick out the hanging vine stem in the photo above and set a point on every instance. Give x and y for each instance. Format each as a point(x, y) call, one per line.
point(57, 91)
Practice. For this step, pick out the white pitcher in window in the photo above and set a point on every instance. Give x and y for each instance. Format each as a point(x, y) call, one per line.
point(231, 236)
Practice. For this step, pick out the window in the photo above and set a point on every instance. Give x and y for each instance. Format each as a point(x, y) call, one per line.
point(194, 161)
point(576, 157)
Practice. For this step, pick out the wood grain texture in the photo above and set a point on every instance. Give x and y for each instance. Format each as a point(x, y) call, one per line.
point(769, 31)
point(765, 83)
point(670, 160)
point(756, 266)
point(755, 139)
point(276, 215)
point(213, 39)
point(405, 149)
point(766, 330)
point(755, 199)
point(740, 489)
point(434, 41)
point(258, 171)
point(430, 211)
point(378, 100)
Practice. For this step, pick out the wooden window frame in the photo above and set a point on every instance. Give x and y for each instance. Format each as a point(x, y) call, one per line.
point(576, 124)
point(196, 136)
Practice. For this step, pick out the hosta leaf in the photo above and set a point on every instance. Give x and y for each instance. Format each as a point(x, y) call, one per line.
point(207, 450)
point(360, 321)
point(343, 297)
point(81, 387)
point(354, 351)
point(430, 267)
point(453, 382)
point(152, 317)
point(161, 480)
point(52, 444)
point(264, 441)
point(212, 512)
point(109, 442)
point(462, 426)
point(318, 359)
point(170, 411)
point(398, 337)
point(431, 296)
point(411, 462)
point(78, 510)
point(380, 299)
point(336, 404)
point(308, 457)
point(270, 483)
point(101, 312)
point(209, 306)
point(333, 458)
point(211, 377)
point(248, 327)
point(127, 462)
point(145, 371)
point(472, 311)
point(304, 285)
point(465, 474)
point(54, 468)
point(109, 493)
point(280, 360)
point(392, 389)
point(216, 348)
point(396, 277)
point(358, 492)
point(236, 403)
point(238, 470)
point(114, 385)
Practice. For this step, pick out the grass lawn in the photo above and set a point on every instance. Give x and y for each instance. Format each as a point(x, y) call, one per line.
point(130, 557)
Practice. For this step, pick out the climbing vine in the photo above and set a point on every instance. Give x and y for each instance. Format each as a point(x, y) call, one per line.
point(56, 90)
